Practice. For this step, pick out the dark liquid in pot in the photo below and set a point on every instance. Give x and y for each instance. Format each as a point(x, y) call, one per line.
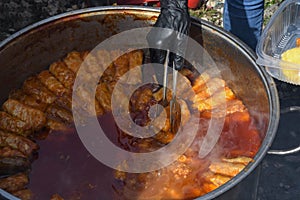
point(65, 167)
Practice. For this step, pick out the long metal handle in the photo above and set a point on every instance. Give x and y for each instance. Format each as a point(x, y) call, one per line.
point(165, 76)
point(284, 152)
point(173, 111)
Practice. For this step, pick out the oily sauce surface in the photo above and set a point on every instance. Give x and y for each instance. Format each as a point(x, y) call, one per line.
point(65, 167)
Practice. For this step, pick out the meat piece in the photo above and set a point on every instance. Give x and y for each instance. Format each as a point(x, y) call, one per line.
point(104, 59)
point(218, 98)
point(63, 74)
point(187, 73)
point(92, 64)
point(183, 116)
point(25, 194)
point(59, 112)
point(35, 88)
point(121, 66)
point(73, 61)
point(28, 100)
point(233, 106)
point(135, 60)
point(216, 179)
point(185, 112)
point(209, 89)
point(159, 122)
point(141, 99)
point(14, 183)
point(99, 109)
point(164, 137)
point(158, 96)
point(122, 99)
point(52, 83)
point(200, 82)
point(65, 101)
point(208, 187)
point(103, 95)
point(83, 97)
point(241, 159)
point(10, 152)
point(108, 74)
point(13, 165)
point(35, 118)
point(24, 145)
point(12, 124)
point(56, 197)
point(226, 169)
point(56, 125)
point(183, 88)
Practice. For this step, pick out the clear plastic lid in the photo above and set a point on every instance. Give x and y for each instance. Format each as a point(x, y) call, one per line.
point(280, 35)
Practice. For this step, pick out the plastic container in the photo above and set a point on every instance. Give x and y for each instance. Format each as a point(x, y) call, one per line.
point(280, 35)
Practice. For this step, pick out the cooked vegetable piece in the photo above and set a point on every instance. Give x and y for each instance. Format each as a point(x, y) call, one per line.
point(241, 159)
point(56, 197)
point(141, 98)
point(135, 60)
point(122, 65)
point(28, 100)
point(13, 165)
point(52, 83)
point(212, 102)
point(65, 101)
point(25, 194)
point(35, 88)
point(56, 125)
point(59, 112)
point(216, 179)
point(63, 74)
point(7, 151)
point(91, 66)
point(10, 123)
point(103, 95)
point(84, 100)
point(226, 169)
point(73, 61)
point(232, 106)
point(24, 145)
point(200, 82)
point(14, 183)
point(35, 118)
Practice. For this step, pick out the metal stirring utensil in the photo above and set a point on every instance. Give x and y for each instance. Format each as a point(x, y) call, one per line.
point(173, 102)
point(165, 81)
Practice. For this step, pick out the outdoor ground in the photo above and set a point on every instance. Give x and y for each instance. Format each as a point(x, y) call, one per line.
point(212, 10)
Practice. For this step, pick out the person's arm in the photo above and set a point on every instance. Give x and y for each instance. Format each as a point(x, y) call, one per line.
point(175, 20)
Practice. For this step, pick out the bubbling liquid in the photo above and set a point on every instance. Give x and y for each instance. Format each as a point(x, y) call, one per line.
point(65, 167)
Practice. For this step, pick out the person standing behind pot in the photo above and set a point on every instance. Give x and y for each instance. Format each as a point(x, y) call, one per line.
point(243, 18)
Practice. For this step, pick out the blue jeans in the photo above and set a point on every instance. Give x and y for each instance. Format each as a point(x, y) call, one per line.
point(244, 18)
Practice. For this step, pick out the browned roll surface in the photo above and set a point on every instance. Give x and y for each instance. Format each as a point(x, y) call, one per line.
point(35, 118)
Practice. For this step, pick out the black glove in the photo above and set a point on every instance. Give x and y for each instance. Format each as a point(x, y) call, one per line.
point(174, 15)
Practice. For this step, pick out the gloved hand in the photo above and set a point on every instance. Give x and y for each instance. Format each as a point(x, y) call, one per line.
point(174, 15)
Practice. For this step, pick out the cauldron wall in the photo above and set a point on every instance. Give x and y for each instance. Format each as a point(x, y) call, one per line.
point(34, 48)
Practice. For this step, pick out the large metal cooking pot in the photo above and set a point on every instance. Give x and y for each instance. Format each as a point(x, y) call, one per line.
point(32, 49)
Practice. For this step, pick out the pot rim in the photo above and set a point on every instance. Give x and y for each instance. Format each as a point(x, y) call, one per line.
point(267, 80)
